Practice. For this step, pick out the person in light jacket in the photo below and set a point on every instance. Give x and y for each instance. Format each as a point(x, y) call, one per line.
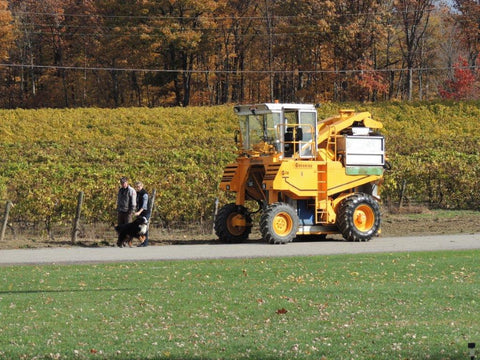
point(126, 202)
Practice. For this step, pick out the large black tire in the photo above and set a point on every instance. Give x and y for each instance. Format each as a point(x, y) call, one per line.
point(358, 217)
point(279, 223)
point(226, 223)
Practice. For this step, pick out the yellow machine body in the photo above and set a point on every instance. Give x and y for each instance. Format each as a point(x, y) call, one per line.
point(303, 169)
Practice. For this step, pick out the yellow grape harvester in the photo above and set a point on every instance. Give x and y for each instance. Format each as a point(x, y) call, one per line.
point(307, 177)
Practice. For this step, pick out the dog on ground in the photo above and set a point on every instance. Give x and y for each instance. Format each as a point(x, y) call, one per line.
point(136, 229)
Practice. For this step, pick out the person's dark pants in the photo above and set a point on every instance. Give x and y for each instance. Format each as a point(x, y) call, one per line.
point(124, 217)
point(145, 243)
point(147, 216)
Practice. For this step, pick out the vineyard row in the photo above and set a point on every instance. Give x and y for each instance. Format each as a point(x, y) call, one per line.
point(47, 156)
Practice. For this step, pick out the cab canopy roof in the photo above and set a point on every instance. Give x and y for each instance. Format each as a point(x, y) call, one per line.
point(267, 108)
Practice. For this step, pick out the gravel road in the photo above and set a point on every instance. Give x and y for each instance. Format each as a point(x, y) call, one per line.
point(75, 255)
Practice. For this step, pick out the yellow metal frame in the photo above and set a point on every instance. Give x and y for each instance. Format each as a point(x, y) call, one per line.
point(322, 178)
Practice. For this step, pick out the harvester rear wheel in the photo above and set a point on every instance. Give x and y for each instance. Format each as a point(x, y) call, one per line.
point(279, 223)
point(233, 223)
point(358, 217)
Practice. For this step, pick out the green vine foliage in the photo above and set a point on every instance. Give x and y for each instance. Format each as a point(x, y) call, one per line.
point(433, 148)
point(47, 156)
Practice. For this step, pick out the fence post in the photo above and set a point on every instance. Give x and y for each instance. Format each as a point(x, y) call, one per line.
point(76, 222)
point(8, 206)
point(402, 193)
point(215, 211)
point(151, 202)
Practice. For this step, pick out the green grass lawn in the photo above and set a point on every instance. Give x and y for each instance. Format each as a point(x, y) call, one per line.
point(382, 306)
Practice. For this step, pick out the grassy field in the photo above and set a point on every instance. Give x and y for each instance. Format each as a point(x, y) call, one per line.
point(383, 306)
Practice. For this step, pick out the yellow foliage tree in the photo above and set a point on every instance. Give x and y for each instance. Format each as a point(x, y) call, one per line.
point(6, 29)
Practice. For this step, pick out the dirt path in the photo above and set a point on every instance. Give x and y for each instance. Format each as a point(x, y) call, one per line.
point(252, 249)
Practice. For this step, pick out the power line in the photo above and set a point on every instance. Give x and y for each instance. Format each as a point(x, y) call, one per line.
point(148, 35)
point(183, 71)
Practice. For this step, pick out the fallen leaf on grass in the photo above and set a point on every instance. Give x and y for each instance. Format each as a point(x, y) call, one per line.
point(281, 311)
point(289, 299)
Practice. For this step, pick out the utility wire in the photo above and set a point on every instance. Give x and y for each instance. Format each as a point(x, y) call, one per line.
point(182, 71)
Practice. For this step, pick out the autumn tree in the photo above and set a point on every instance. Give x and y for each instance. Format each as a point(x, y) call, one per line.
point(50, 20)
point(6, 45)
point(431, 53)
point(302, 35)
point(463, 85)
point(370, 83)
point(237, 30)
point(81, 44)
point(182, 28)
point(111, 53)
point(26, 45)
point(45, 47)
point(6, 30)
point(355, 33)
point(121, 42)
point(468, 19)
point(414, 18)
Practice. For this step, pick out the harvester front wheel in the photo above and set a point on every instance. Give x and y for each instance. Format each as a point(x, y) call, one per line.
point(358, 217)
point(233, 223)
point(279, 223)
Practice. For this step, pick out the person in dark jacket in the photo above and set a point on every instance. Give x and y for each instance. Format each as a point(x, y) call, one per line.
point(142, 206)
point(126, 202)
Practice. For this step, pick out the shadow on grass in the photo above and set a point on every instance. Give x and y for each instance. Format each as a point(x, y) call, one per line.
point(265, 356)
point(59, 291)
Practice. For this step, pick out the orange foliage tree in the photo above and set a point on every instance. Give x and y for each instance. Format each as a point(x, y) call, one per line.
point(6, 30)
point(463, 85)
point(108, 53)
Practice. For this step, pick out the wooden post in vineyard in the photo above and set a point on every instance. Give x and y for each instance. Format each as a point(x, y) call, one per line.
point(8, 206)
point(215, 213)
point(76, 222)
point(402, 193)
point(151, 202)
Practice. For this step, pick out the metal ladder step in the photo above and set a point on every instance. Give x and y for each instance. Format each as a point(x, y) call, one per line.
point(321, 214)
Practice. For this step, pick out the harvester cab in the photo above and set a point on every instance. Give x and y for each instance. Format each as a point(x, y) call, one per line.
point(308, 177)
point(276, 129)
